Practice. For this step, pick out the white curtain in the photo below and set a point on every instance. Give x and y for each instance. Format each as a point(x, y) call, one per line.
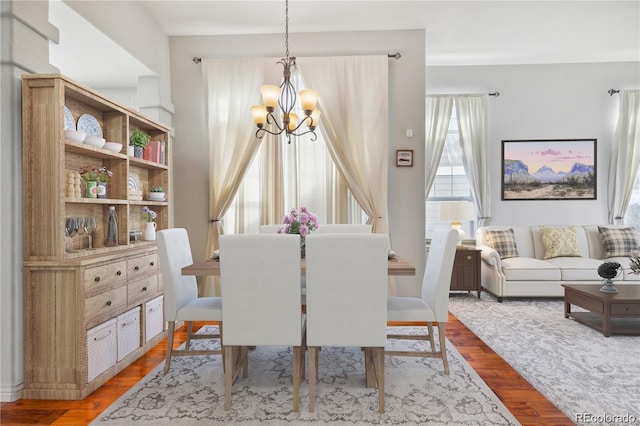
point(625, 155)
point(230, 88)
point(354, 104)
point(472, 124)
point(438, 114)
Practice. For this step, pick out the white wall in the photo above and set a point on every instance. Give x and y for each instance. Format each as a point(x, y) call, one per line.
point(406, 98)
point(559, 101)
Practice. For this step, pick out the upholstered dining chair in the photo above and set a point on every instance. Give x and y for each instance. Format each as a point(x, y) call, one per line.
point(341, 228)
point(181, 301)
point(433, 306)
point(270, 229)
point(346, 301)
point(260, 278)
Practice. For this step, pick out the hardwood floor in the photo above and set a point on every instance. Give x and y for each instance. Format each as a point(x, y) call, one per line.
point(524, 402)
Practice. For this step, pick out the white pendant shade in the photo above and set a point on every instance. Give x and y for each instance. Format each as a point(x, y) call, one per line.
point(270, 95)
point(259, 113)
point(308, 99)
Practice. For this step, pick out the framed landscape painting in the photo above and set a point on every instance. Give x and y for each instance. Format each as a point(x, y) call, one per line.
point(554, 169)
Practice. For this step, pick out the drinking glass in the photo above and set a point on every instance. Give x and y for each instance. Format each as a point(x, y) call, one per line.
point(70, 230)
point(81, 229)
point(89, 228)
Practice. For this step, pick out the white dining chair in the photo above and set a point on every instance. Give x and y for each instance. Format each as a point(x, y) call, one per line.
point(260, 278)
point(270, 229)
point(341, 228)
point(346, 301)
point(181, 301)
point(433, 306)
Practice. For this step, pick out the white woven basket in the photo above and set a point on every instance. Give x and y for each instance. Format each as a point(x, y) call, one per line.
point(101, 348)
point(154, 318)
point(128, 325)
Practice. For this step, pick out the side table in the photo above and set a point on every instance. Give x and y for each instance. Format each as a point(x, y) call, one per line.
point(466, 270)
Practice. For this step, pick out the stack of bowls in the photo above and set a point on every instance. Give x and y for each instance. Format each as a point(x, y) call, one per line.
point(96, 141)
point(75, 135)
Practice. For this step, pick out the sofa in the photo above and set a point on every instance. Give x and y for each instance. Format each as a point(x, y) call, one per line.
point(532, 261)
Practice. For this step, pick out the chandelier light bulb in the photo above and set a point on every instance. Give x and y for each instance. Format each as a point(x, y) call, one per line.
point(308, 99)
point(314, 119)
point(259, 113)
point(270, 96)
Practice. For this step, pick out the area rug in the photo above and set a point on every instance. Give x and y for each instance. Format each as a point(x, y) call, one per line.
point(416, 392)
point(585, 374)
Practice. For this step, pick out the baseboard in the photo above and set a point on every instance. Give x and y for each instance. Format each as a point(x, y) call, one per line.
point(11, 393)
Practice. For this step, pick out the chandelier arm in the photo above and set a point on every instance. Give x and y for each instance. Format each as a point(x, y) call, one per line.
point(271, 119)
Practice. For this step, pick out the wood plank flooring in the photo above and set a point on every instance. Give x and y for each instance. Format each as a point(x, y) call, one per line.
point(525, 403)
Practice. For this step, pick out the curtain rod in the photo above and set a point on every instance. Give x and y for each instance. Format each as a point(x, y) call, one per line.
point(495, 94)
point(612, 92)
point(397, 55)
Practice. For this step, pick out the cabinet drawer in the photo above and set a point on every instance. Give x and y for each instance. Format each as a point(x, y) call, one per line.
point(105, 303)
point(142, 265)
point(142, 289)
point(105, 275)
point(625, 308)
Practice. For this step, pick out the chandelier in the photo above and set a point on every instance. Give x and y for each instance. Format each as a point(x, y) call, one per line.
point(284, 97)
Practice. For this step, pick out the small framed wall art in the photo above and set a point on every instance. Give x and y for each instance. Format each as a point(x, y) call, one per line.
point(549, 169)
point(404, 158)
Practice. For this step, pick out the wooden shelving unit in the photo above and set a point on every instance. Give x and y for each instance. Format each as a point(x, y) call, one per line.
point(66, 294)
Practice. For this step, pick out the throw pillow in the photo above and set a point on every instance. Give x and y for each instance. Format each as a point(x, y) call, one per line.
point(618, 241)
point(560, 242)
point(504, 242)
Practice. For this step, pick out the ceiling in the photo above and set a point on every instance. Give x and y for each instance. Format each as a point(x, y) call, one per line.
point(474, 32)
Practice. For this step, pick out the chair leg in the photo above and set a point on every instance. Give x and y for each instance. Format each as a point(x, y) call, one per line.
point(313, 372)
point(433, 343)
point(228, 376)
point(369, 368)
point(379, 367)
point(187, 343)
point(172, 327)
point(224, 365)
point(443, 347)
point(296, 378)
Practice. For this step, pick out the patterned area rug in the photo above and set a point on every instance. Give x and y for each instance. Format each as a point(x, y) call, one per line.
point(578, 369)
point(416, 392)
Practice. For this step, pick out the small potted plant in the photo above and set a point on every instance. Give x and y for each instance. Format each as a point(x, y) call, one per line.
point(139, 139)
point(156, 193)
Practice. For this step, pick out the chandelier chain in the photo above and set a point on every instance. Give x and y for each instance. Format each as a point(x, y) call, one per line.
point(286, 29)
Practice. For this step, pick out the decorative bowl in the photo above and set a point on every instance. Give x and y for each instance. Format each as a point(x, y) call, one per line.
point(156, 196)
point(75, 135)
point(113, 146)
point(96, 141)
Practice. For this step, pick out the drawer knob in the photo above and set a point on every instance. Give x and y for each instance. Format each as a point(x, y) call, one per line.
point(144, 288)
point(119, 273)
point(97, 279)
point(151, 263)
point(108, 302)
point(136, 268)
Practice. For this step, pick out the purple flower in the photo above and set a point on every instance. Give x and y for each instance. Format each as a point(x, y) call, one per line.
point(304, 230)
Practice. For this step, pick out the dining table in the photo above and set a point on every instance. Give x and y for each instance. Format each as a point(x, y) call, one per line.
point(396, 266)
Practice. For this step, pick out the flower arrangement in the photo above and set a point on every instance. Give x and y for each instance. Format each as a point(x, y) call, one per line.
point(148, 214)
point(299, 222)
point(634, 263)
point(95, 174)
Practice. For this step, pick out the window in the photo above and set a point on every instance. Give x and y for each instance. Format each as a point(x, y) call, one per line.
point(451, 183)
point(310, 179)
point(633, 212)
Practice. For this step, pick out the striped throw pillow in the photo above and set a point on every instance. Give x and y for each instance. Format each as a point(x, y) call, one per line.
point(618, 241)
point(504, 242)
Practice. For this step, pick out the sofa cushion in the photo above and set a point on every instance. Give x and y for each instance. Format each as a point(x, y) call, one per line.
point(618, 241)
point(559, 241)
point(577, 268)
point(504, 242)
point(530, 269)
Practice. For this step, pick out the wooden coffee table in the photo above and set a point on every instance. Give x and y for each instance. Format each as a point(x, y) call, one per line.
point(611, 313)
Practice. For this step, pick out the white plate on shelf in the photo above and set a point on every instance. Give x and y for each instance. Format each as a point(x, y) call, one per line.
point(69, 121)
point(89, 124)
